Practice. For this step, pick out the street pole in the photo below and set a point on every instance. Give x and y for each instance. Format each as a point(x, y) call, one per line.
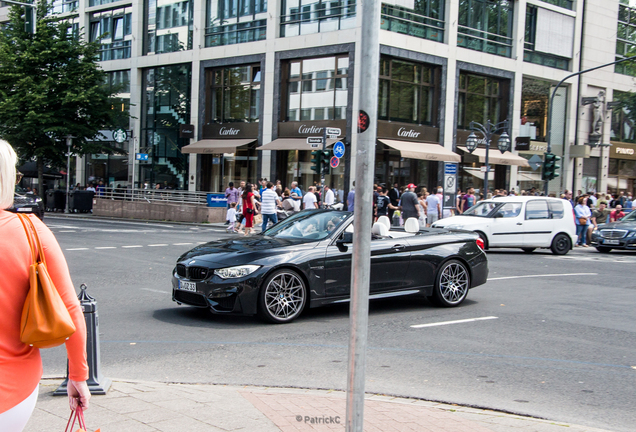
point(322, 168)
point(369, 54)
point(549, 149)
point(488, 135)
point(69, 142)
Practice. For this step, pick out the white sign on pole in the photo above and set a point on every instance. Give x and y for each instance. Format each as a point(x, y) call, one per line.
point(334, 131)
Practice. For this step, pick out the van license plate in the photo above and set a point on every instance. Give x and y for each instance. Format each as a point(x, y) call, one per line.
point(187, 286)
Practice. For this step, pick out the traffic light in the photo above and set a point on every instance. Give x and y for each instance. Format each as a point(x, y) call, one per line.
point(550, 166)
point(325, 158)
point(29, 19)
point(316, 159)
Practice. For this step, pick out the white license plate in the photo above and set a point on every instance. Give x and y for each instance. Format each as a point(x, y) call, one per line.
point(187, 286)
point(25, 209)
point(612, 242)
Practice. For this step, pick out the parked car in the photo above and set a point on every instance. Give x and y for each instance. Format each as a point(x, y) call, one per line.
point(27, 202)
point(616, 235)
point(305, 261)
point(525, 222)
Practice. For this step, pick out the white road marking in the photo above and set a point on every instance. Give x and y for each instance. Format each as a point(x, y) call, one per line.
point(105, 247)
point(67, 231)
point(76, 249)
point(180, 244)
point(543, 275)
point(132, 246)
point(162, 244)
point(453, 322)
point(157, 291)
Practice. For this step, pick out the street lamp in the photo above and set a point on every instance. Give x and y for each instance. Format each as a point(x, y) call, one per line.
point(69, 142)
point(488, 130)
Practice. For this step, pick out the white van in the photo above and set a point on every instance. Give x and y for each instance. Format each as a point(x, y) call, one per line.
point(526, 222)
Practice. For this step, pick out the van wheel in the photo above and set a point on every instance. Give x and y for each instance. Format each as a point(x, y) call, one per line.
point(561, 244)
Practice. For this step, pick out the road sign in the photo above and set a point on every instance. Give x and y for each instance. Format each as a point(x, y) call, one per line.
point(334, 131)
point(314, 140)
point(450, 168)
point(334, 162)
point(535, 162)
point(332, 136)
point(449, 182)
point(141, 156)
point(339, 149)
point(482, 168)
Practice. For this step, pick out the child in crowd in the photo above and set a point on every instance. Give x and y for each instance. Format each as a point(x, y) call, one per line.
point(231, 217)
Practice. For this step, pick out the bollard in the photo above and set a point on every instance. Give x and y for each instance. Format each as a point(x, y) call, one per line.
point(97, 384)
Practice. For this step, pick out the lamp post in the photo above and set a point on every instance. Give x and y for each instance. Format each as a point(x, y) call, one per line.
point(69, 142)
point(488, 130)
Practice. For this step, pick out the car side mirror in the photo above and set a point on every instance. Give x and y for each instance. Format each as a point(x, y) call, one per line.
point(499, 215)
point(345, 238)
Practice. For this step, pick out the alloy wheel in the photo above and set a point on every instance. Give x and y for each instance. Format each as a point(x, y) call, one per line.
point(284, 296)
point(453, 283)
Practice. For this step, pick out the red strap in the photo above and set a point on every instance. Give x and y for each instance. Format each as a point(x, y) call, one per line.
point(72, 417)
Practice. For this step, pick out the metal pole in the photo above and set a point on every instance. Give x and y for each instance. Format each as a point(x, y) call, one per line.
point(487, 135)
point(369, 54)
point(549, 149)
point(69, 142)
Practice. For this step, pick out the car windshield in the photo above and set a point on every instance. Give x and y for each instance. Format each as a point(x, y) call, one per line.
point(483, 209)
point(308, 225)
point(631, 216)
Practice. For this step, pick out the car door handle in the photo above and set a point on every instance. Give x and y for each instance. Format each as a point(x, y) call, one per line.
point(398, 246)
point(519, 223)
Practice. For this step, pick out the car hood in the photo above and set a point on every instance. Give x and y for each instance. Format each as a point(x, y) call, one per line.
point(244, 250)
point(628, 225)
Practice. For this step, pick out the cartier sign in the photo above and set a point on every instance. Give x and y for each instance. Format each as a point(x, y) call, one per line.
point(407, 132)
point(304, 129)
point(230, 130)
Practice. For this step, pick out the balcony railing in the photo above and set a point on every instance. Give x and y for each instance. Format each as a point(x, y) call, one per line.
point(480, 40)
point(235, 33)
point(404, 21)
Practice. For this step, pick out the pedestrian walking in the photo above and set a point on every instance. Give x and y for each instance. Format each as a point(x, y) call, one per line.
point(269, 202)
point(409, 203)
point(309, 201)
point(296, 190)
point(21, 364)
point(330, 198)
point(231, 217)
point(582, 216)
point(394, 196)
point(249, 209)
point(433, 209)
point(232, 196)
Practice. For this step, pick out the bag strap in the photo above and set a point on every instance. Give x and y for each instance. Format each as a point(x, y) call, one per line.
point(29, 237)
point(36, 239)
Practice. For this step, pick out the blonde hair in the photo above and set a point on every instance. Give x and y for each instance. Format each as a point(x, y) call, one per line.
point(8, 160)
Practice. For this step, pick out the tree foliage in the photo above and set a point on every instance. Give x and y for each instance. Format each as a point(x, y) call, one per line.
point(51, 86)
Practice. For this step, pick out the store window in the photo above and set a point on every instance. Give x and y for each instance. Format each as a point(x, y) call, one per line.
point(113, 29)
point(231, 21)
point(408, 92)
point(622, 125)
point(425, 20)
point(235, 94)
point(530, 53)
point(165, 107)
point(317, 89)
point(168, 26)
point(300, 17)
point(118, 82)
point(481, 99)
point(535, 95)
point(486, 25)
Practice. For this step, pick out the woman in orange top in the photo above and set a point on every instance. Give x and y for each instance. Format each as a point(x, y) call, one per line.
point(20, 364)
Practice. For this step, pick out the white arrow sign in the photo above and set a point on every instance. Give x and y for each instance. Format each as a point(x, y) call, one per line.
point(333, 131)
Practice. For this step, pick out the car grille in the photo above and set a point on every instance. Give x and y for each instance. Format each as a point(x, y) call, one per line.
point(181, 270)
point(190, 298)
point(613, 234)
point(22, 200)
point(197, 273)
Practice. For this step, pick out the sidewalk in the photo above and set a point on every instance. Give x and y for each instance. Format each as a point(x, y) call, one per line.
point(139, 406)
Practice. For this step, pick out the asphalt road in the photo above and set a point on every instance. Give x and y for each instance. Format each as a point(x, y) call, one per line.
point(562, 345)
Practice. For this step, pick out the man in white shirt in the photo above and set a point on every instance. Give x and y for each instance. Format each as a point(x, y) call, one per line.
point(269, 201)
point(434, 208)
point(309, 201)
point(329, 197)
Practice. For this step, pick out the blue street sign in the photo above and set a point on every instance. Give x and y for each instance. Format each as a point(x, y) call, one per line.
point(450, 168)
point(217, 200)
point(141, 156)
point(339, 149)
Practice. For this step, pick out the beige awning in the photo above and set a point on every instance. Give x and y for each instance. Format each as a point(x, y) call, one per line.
point(528, 176)
point(496, 158)
point(208, 146)
point(425, 151)
point(293, 144)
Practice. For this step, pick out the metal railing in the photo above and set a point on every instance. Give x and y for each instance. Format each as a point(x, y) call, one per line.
point(164, 196)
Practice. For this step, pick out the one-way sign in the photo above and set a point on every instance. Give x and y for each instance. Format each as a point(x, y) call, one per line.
point(314, 140)
point(334, 131)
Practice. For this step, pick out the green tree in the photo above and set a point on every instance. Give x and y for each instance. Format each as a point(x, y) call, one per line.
point(51, 86)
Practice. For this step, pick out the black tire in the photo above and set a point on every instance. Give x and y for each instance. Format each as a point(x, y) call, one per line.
point(603, 249)
point(484, 239)
point(451, 284)
point(561, 244)
point(282, 297)
point(528, 250)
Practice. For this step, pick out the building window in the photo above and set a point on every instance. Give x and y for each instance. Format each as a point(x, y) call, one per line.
point(300, 17)
point(567, 4)
point(231, 22)
point(317, 89)
point(166, 106)
point(407, 92)
point(486, 25)
point(426, 21)
point(235, 94)
point(530, 54)
point(168, 26)
point(113, 29)
point(100, 2)
point(626, 39)
point(481, 99)
point(622, 126)
point(63, 6)
point(118, 82)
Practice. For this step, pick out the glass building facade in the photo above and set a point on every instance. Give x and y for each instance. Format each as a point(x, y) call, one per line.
point(168, 26)
point(300, 17)
point(486, 25)
point(425, 20)
point(530, 54)
point(232, 21)
point(113, 29)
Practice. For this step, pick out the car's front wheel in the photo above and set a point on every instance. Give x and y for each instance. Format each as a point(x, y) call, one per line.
point(451, 284)
point(282, 297)
point(603, 249)
point(561, 244)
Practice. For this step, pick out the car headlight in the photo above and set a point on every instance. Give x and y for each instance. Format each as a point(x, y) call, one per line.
point(631, 234)
point(38, 199)
point(236, 272)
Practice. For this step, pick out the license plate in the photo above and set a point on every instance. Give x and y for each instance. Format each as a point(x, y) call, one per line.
point(25, 210)
point(612, 242)
point(187, 286)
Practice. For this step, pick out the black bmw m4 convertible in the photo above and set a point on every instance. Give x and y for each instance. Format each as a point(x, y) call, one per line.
point(305, 261)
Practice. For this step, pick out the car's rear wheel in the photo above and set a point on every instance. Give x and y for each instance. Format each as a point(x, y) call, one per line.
point(451, 284)
point(561, 244)
point(282, 297)
point(603, 249)
point(528, 250)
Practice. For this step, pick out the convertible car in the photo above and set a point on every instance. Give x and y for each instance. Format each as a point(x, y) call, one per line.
point(305, 261)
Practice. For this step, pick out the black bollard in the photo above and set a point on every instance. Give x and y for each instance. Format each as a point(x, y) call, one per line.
point(97, 384)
